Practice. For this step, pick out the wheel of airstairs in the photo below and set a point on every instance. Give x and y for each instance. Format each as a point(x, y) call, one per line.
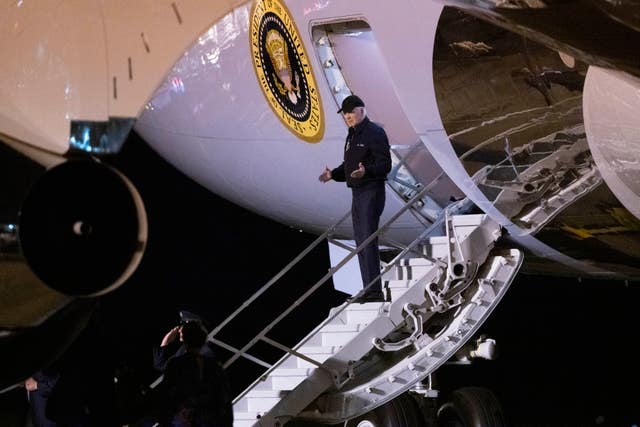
point(401, 411)
point(471, 406)
point(365, 355)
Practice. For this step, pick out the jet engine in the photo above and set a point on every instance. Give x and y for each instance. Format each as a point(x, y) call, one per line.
point(83, 228)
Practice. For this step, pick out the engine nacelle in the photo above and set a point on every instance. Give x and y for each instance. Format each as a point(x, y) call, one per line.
point(83, 228)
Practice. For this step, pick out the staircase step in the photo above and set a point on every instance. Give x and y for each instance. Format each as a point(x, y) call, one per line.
point(337, 338)
point(264, 393)
point(413, 262)
point(262, 401)
point(356, 314)
point(265, 385)
point(369, 306)
point(401, 284)
point(244, 419)
point(412, 268)
point(262, 404)
point(301, 363)
point(341, 328)
point(397, 293)
point(287, 383)
point(339, 335)
point(389, 275)
point(437, 248)
point(319, 354)
point(436, 241)
point(294, 362)
point(310, 351)
point(361, 314)
point(288, 378)
point(288, 372)
point(245, 416)
point(258, 402)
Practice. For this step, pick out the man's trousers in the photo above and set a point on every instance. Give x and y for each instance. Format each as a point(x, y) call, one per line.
point(366, 208)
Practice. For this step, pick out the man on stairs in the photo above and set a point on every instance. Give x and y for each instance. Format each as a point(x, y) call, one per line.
point(367, 162)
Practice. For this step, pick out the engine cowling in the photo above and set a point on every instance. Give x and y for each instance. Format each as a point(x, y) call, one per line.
point(83, 228)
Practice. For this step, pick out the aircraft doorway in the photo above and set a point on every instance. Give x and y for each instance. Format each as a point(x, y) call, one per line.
point(353, 63)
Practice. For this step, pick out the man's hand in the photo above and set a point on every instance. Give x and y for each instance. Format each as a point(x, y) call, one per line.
point(31, 384)
point(358, 173)
point(325, 175)
point(170, 336)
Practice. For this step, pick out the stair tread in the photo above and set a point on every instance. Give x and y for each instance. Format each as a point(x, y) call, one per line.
point(290, 372)
point(311, 350)
point(245, 415)
point(418, 262)
point(370, 306)
point(263, 393)
point(341, 327)
point(402, 283)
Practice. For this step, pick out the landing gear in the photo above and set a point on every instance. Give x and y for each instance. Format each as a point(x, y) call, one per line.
point(464, 407)
point(402, 411)
point(471, 407)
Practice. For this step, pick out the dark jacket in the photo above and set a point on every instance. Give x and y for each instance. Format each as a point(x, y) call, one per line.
point(197, 382)
point(162, 355)
point(366, 143)
point(38, 398)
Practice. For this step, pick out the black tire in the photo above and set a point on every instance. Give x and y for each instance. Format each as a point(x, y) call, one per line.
point(402, 411)
point(471, 407)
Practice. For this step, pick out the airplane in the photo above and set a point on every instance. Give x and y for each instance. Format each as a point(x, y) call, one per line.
point(512, 130)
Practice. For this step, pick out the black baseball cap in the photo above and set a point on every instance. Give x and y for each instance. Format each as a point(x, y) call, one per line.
point(349, 103)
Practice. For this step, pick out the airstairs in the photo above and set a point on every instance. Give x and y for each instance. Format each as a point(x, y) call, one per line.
point(363, 355)
point(440, 288)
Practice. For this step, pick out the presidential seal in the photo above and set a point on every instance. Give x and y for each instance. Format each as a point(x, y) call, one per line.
point(283, 70)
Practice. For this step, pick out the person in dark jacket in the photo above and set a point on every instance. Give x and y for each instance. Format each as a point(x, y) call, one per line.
point(172, 343)
point(195, 390)
point(367, 162)
point(39, 387)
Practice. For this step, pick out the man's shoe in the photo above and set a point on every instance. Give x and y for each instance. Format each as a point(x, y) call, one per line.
point(368, 297)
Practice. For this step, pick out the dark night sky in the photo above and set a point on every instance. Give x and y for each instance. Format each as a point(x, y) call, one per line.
point(565, 346)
